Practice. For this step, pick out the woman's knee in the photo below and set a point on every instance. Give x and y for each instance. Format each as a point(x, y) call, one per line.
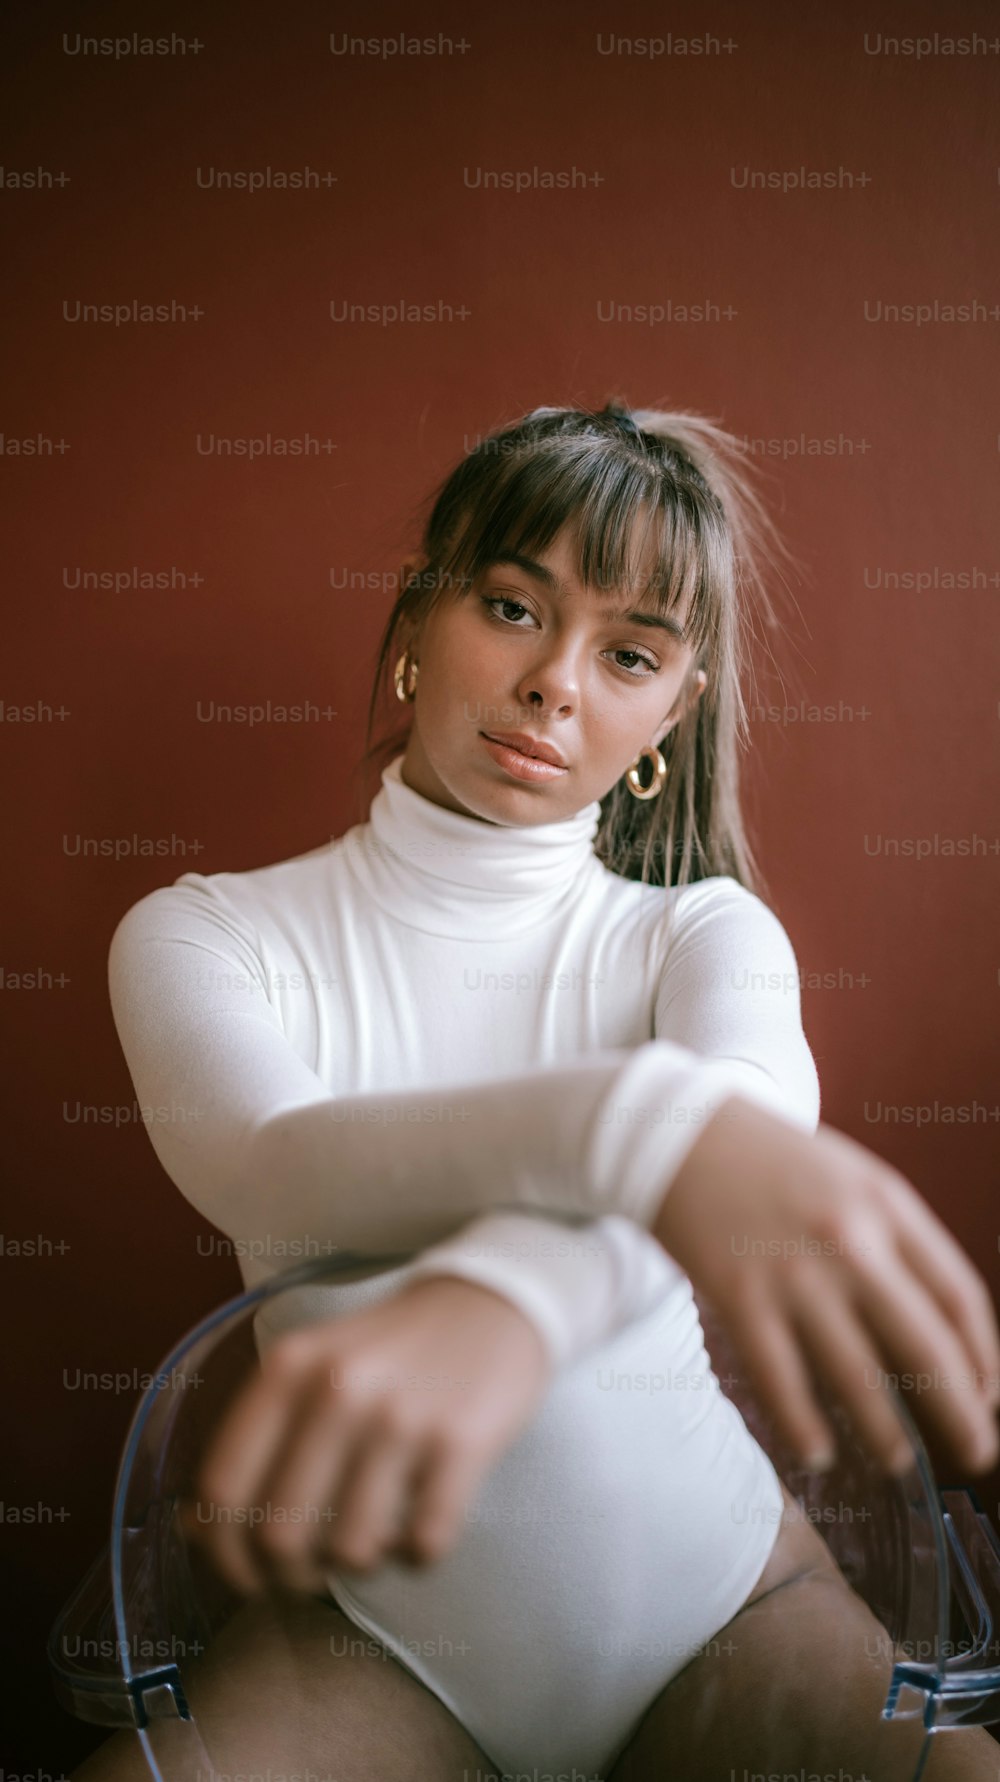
point(796, 1679)
point(292, 1685)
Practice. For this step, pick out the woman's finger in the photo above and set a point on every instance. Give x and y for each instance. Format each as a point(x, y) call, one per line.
point(778, 1371)
point(840, 1351)
point(242, 1450)
point(302, 1483)
point(935, 1255)
point(919, 1341)
point(443, 1487)
point(374, 1498)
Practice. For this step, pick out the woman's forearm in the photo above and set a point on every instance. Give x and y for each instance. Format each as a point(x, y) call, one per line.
point(254, 1139)
point(391, 1173)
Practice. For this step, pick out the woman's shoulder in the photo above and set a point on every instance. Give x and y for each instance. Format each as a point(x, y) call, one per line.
point(237, 901)
point(711, 923)
point(719, 899)
point(715, 909)
point(727, 916)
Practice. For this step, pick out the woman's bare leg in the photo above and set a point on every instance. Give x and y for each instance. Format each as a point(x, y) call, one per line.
point(292, 1686)
point(795, 1682)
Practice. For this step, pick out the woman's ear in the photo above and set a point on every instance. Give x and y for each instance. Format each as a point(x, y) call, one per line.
point(701, 682)
point(411, 566)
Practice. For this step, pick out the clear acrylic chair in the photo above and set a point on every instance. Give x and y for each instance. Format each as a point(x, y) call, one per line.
point(128, 1642)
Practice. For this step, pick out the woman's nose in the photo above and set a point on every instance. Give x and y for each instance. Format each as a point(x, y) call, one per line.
point(552, 684)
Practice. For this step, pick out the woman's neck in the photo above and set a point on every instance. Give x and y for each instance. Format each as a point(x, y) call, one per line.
point(450, 872)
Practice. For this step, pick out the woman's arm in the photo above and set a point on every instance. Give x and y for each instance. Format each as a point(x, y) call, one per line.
point(821, 1257)
point(254, 1140)
point(207, 1054)
point(729, 988)
point(576, 1284)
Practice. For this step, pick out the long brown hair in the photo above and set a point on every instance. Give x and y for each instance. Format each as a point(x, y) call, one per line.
point(716, 546)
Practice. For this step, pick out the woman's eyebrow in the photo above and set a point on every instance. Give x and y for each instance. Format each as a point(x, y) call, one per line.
point(639, 615)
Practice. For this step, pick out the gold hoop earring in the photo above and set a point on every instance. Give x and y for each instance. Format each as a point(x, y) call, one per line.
point(633, 782)
point(404, 677)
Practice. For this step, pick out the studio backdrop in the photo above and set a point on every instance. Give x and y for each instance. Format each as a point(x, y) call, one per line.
point(268, 278)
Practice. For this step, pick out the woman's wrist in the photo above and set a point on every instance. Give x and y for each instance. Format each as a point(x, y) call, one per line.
point(721, 1145)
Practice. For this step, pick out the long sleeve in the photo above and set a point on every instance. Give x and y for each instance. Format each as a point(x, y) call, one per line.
point(577, 1284)
point(729, 989)
point(253, 1138)
point(255, 1141)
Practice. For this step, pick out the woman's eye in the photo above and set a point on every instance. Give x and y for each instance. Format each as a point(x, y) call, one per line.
point(501, 600)
point(639, 657)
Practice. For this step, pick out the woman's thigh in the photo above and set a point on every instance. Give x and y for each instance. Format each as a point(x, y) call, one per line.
point(795, 1683)
point(292, 1686)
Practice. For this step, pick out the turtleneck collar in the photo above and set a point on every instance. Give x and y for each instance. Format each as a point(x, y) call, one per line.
point(447, 873)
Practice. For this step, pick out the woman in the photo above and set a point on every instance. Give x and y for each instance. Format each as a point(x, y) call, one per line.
point(499, 1029)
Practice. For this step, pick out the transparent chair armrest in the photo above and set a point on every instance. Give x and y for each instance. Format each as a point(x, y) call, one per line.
point(963, 1687)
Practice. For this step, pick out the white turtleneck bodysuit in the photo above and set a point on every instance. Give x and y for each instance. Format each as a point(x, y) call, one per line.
point(475, 1047)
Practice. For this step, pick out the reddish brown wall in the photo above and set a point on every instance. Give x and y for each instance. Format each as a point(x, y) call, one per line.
point(909, 486)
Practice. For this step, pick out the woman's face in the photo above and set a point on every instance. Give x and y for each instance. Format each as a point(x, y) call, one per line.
point(530, 650)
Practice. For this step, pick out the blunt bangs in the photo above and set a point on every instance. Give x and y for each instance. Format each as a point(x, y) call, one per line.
point(624, 511)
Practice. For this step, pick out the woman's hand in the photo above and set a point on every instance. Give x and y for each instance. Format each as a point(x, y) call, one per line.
point(367, 1434)
point(820, 1255)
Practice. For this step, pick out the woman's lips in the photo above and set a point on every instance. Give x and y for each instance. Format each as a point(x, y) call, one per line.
point(522, 767)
